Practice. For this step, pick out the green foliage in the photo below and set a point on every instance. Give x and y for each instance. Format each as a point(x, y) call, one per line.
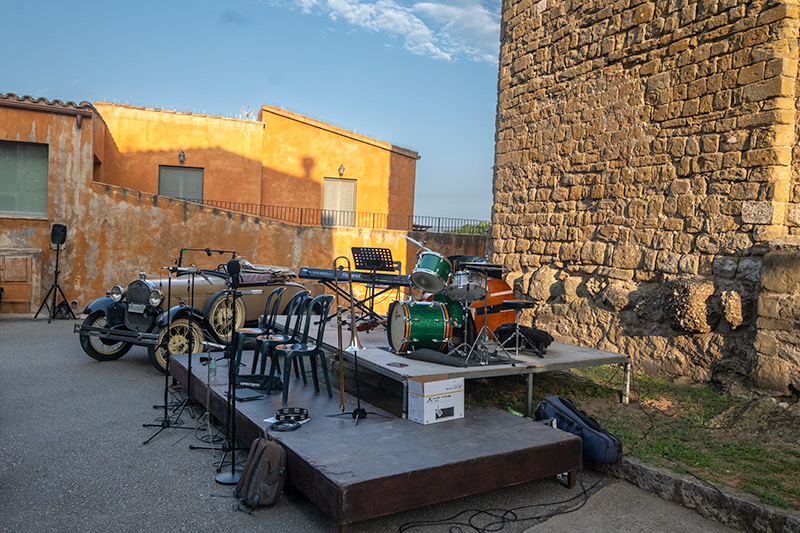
point(481, 228)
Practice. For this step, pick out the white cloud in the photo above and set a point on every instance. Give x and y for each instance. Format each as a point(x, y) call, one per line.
point(445, 30)
point(467, 25)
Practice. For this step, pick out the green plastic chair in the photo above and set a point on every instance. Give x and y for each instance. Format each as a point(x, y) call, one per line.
point(307, 345)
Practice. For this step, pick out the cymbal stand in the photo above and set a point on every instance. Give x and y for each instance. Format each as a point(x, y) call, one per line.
point(166, 420)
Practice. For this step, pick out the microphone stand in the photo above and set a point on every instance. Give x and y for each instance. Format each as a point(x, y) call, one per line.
point(166, 420)
point(189, 402)
point(232, 477)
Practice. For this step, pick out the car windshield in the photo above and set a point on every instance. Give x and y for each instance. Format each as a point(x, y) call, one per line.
point(205, 258)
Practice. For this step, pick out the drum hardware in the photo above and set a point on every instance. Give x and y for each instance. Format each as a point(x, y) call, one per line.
point(517, 306)
point(467, 286)
point(355, 344)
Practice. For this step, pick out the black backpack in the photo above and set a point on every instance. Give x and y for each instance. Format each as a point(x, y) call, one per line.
point(264, 474)
point(598, 444)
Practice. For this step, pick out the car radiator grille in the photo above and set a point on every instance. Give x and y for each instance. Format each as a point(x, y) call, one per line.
point(139, 293)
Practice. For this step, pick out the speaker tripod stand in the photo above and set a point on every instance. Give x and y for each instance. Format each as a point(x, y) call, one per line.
point(55, 290)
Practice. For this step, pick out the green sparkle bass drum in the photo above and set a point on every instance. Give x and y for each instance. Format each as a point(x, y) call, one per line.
point(415, 325)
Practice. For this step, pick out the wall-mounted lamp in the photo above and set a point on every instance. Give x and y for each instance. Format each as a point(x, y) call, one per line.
point(181, 157)
point(341, 170)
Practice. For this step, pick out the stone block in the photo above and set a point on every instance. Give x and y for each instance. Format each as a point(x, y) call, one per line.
point(667, 262)
point(625, 257)
point(769, 232)
point(751, 74)
point(780, 271)
point(688, 264)
point(725, 267)
point(766, 344)
point(687, 304)
point(749, 269)
point(757, 212)
point(772, 374)
point(767, 157)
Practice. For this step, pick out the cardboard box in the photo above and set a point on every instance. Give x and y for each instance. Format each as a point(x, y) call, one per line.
point(435, 399)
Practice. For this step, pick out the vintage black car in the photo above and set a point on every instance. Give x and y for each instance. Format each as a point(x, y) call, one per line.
point(200, 310)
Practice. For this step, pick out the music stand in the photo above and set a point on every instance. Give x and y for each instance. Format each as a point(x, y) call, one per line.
point(375, 260)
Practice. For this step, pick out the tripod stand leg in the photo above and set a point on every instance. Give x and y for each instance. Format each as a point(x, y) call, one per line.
point(44, 303)
point(64, 298)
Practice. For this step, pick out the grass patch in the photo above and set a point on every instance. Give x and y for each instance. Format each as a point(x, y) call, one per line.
point(695, 429)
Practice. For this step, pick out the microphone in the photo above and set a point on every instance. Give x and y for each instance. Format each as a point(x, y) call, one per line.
point(191, 270)
point(234, 267)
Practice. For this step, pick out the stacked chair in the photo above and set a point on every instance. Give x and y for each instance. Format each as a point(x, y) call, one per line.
point(299, 338)
point(308, 343)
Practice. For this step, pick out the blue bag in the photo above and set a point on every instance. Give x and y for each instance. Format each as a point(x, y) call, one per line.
point(598, 444)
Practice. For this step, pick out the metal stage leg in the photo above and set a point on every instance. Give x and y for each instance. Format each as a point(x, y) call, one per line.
point(529, 396)
point(626, 383)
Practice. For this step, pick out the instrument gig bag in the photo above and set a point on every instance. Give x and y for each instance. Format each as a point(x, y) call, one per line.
point(598, 444)
point(264, 474)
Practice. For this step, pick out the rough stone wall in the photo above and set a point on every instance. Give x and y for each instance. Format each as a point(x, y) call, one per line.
point(644, 161)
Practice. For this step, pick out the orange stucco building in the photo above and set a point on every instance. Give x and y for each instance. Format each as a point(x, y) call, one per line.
point(265, 161)
point(98, 169)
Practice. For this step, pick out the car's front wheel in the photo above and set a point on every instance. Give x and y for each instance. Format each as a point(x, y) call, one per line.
point(175, 339)
point(219, 313)
point(97, 347)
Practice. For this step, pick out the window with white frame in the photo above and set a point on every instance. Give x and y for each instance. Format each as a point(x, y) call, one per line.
point(23, 178)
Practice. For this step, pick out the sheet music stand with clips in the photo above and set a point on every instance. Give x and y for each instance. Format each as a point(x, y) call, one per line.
point(375, 260)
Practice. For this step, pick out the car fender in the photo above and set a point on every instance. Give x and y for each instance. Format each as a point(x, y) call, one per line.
point(181, 311)
point(114, 311)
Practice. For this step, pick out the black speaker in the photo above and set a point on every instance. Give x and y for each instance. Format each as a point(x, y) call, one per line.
point(59, 234)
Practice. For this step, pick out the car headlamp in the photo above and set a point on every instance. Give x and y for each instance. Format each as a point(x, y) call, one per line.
point(117, 293)
point(156, 297)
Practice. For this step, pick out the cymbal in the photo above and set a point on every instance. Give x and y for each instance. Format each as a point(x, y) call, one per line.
point(483, 266)
point(416, 242)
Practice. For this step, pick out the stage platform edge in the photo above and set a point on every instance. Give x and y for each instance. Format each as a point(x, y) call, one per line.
point(386, 464)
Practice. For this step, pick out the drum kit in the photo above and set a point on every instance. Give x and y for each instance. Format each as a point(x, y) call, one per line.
point(442, 319)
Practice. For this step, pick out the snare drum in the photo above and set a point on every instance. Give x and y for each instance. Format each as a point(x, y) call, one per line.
point(466, 286)
point(415, 325)
point(431, 272)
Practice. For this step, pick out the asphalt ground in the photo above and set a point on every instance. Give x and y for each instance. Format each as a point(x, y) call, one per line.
point(73, 459)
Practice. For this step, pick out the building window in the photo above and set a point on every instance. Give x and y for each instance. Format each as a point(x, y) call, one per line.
point(180, 182)
point(23, 179)
point(338, 202)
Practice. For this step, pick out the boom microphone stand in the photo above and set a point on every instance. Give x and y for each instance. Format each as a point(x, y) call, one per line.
point(232, 477)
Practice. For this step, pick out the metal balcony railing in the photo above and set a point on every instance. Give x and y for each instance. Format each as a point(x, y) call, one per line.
point(305, 216)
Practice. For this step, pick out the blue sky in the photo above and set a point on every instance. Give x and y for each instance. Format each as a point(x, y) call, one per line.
point(421, 75)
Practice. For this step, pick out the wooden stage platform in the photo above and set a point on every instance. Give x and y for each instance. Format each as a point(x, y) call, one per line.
point(386, 464)
point(379, 358)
